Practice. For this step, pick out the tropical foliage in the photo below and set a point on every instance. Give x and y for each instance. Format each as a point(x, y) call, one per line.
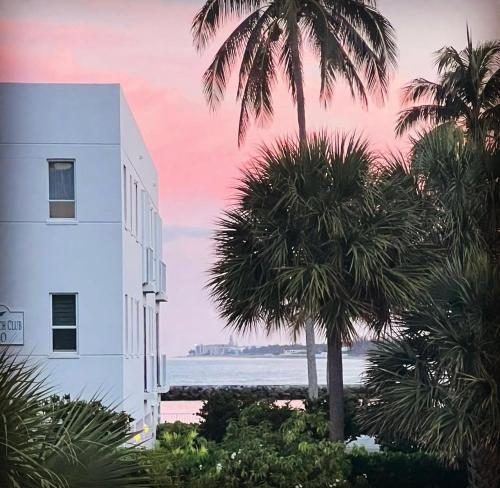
point(467, 92)
point(52, 443)
point(318, 231)
point(437, 382)
point(221, 407)
point(351, 40)
point(273, 447)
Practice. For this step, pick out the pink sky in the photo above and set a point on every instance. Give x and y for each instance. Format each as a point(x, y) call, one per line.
point(146, 46)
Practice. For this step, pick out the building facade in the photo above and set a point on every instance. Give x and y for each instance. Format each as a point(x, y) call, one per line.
point(82, 276)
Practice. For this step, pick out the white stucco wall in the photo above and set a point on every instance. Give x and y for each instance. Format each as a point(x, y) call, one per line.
point(139, 167)
point(96, 256)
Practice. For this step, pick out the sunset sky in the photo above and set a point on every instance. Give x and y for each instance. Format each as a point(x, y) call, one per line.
point(146, 46)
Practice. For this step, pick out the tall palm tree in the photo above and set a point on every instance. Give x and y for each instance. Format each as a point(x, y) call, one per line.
point(437, 382)
point(351, 39)
point(317, 232)
point(467, 92)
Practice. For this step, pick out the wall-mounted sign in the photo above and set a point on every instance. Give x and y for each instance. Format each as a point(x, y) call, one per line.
point(11, 327)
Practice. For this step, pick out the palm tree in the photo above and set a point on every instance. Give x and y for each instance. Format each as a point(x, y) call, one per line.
point(467, 92)
point(437, 382)
point(317, 233)
point(351, 39)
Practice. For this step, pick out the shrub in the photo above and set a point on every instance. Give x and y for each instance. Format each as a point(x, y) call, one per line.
point(411, 470)
point(353, 397)
point(53, 442)
point(355, 400)
point(260, 462)
point(274, 447)
point(219, 408)
point(176, 462)
point(266, 411)
point(179, 436)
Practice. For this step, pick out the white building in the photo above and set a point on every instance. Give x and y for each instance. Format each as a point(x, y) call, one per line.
point(81, 270)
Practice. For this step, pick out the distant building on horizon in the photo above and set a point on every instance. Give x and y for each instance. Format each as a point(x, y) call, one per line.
point(82, 275)
point(358, 348)
point(230, 349)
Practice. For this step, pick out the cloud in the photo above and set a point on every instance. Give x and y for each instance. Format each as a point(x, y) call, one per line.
point(146, 46)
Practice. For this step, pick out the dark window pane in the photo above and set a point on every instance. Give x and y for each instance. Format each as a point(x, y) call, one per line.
point(63, 310)
point(62, 210)
point(61, 180)
point(64, 339)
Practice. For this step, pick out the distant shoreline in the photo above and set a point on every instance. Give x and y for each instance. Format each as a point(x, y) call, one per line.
point(260, 356)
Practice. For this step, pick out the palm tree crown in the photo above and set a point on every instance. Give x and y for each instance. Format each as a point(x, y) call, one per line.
point(351, 38)
point(317, 233)
point(468, 91)
point(437, 381)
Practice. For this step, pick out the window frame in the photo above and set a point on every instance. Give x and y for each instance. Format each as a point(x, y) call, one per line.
point(131, 198)
point(125, 198)
point(127, 326)
point(64, 352)
point(62, 219)
point(136, 210)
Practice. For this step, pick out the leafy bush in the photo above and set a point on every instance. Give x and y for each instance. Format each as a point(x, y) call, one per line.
point(179, 436)
point(266, 411)
point(272, 447)
point(223, 406)
point(219, 408)
point(353, 397)
point(177, 460)
point(279, 447)
point(411, 470)
point(267, 445)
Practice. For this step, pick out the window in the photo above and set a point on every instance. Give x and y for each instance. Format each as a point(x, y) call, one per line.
point(64, 322)
point(151, 229)
point(158, 373)
point(145, 359)
point(137, 325)
point(136, 213)
point(61, 189)
point(127, 347)
point(131, 205)
point(125, 195)
point(132, 325)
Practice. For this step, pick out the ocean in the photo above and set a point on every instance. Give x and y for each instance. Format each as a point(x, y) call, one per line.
point(245, 371)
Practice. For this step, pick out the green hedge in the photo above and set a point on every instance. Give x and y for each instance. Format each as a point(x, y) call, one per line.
point(277, 447)
point(411, 470)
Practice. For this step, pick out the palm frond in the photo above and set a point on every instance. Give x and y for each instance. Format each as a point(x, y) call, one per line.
point(216, 76)
point(214, 13)
point(58, 445)
point(467, 92)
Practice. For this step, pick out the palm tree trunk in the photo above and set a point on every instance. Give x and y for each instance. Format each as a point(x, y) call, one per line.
point(312, 374)
point(483, 468)
point(335, 387)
